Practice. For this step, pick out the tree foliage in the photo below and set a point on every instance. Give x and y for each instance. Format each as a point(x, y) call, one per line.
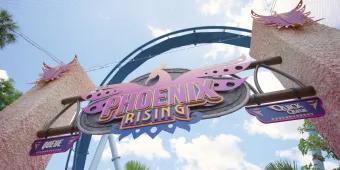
point(7, 93)
point(7, 25)
point(281, 165)
point(313, 142)
point(135, 165)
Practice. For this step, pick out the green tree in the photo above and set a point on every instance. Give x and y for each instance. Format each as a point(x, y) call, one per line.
point(313, 142)
point(7, 26)
point(7, 93)
point(281, 165)
point(135, 165)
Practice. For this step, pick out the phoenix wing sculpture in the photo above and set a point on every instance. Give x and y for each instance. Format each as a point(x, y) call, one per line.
point(295, 18)
point(52, 73)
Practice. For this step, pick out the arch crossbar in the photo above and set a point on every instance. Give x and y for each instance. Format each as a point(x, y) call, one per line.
point(180, 38)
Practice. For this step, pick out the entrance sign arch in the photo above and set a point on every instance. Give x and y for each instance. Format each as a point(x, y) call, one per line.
point(190, 36)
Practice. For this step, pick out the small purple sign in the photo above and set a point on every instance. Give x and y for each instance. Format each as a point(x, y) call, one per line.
point(53, 145)
point(287, 110)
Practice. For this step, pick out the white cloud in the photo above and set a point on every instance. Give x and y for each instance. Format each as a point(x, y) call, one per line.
point(219, 50)
point(143, 146)
point(331, 165)
point(281, 130)
point(267, 80)
point(236, 13)
point(156, 32)
point(3, 75)
point(230, 9)
point(328, 9)
point(220, 152)
point(294, 154)
point(212, 7)
point(241, 16)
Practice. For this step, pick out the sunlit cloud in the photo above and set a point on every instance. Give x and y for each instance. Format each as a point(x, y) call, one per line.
point(267, 80)
point(220, 152)
point(282, 130)
point(3, 75)
point(212, 7)
point(293, 154)
point(143, 146)
point(156, 32)
point(225, 52)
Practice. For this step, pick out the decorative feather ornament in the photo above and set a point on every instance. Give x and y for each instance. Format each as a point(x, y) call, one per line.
point(52, 73)
point(293, 19)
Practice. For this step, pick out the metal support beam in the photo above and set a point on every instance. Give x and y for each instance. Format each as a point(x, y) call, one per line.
point(81, 152)
point(268, 61)
point(98, 154)
point(114, 152)
point(281, 95)
point(57, 131)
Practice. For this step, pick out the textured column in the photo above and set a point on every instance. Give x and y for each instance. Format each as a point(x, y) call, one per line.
point(20, 121)
point(311, 54)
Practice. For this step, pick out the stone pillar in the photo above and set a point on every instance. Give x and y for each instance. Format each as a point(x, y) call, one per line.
point(20, 121)
point(312, 55)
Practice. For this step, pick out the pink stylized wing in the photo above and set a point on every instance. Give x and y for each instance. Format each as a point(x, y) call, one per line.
point(274, 20)
point(52, 73)
point(100, 97)
point(227, 84)
point(296, 16)
point(216, 70)
point(220, 74)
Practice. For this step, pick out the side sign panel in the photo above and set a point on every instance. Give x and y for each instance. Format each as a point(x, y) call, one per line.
point(52, 145)
point(287, 110)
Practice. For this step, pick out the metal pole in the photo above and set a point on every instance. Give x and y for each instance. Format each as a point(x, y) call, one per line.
point(98, 154)
point(316, 153)
point(68, 159)
point(114, 152)
point(285, 94)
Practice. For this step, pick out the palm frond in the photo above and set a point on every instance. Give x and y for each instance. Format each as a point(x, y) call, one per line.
point(135, 165)
point(7, 26)
point(281, 165)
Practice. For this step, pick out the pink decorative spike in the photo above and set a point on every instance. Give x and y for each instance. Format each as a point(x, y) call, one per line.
point(52, 73)
point(292, 19)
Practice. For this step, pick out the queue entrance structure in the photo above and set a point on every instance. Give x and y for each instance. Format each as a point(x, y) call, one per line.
point(191, 36)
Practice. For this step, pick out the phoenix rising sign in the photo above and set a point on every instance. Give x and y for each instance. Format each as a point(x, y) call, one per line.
point(161, 104)
point(164, 101)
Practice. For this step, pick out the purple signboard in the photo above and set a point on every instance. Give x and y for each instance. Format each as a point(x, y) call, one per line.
point(287, 110)
point(53, 145)
point(164, 100)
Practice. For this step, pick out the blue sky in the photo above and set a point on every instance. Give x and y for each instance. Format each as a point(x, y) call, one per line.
point(104, 32)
